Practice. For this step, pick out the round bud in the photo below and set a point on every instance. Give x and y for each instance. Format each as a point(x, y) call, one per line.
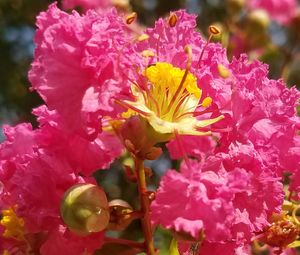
point(84, 209)
point(139, 137)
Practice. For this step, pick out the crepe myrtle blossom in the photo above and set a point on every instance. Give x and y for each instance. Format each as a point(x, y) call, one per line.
point(280, 11)
point(228, 197)
point(95, 46)
point(254, 107)
point(75, 67)
point(97, 79)
point(165, 89)
point(34, 179)
point(85, 155)
point(268, 118)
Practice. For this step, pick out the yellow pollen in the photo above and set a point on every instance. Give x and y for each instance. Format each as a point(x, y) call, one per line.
point(14, 226)
point(143, 37)
point(129, 113)
point(147, 53)
point(170, 101)
point(206, 102)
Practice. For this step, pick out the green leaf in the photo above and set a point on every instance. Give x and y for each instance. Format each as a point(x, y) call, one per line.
point(174, 247)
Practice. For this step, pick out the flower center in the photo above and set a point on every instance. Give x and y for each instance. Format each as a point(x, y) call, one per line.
point(173, 91)
point(169, 101)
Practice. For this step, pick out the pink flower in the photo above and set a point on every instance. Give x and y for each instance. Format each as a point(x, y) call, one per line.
point(85, 155)
point(256, 110)
point(20, 142)
point(281, 11)
point(205, 247)
point(38, 196)
point(268, 116)
point(36, 170)
point(199, 147)
point(75, 67)
point(229, 197)
point(61, 241)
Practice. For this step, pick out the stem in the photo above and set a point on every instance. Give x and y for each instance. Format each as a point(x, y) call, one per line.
point(145, 206)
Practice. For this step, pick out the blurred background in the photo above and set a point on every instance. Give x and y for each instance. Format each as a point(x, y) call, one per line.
point(270, 35)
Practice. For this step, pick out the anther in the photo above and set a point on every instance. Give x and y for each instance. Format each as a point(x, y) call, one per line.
point(214, 30)
point(143, 37)
point(147, 53)
point(188, 51)
point(172, 19)
point(206, 102)
point(223, 71)
point(131, 18)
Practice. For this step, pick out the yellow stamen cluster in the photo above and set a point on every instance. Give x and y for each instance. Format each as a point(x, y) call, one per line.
point(170, 101)
point(165, 80)
point(14, 226)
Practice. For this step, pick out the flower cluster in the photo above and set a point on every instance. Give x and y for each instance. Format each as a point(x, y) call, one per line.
point(107, 90)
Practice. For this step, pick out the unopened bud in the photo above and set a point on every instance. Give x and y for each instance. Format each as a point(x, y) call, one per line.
point(172, 19)
point(131, 18)
point(84, 209)
point(120, 216)
point(139, 138)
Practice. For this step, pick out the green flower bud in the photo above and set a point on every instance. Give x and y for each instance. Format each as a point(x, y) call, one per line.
point(84, 209)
